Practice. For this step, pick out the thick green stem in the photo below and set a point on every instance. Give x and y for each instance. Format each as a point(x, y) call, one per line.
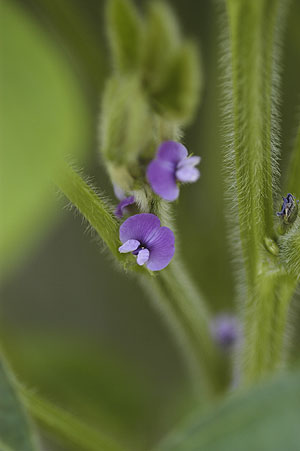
point(253, 29)
point(293, 173)
point(265, 324)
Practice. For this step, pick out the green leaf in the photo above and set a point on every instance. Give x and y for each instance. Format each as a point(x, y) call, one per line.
point(125, 124)
point(179, 95)
point(15, 431)
point(43, 117)
point(68, 427)
point(266, 418)
point(125, 34)
point(162, 39)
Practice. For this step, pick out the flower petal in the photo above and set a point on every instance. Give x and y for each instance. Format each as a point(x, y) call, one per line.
point(119, 193)
point(129, 246)
point(143, 257)
point(161, 247)
point(171, 151)
point(187, 174)
point(139, 227)
point(161, 177)
point(120, 210)
point(189, 161)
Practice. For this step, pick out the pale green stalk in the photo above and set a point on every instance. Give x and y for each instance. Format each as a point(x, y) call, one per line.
point(66, 426)
point(252, 158)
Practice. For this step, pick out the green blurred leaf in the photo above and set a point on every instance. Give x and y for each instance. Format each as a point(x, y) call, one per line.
point(162, 38)
point(179, 95)
point(95, 384)
point(15, 433)
point(125, 34)
point(43, 118)
point(265, 418)
point(125, 124)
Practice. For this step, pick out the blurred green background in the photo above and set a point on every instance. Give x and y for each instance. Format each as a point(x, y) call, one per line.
point(73, 327)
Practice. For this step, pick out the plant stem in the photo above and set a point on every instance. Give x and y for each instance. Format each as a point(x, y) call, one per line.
point(293, 179)
point(91, 206)
point(66, 426)
point(195, 317)
point(253, 159)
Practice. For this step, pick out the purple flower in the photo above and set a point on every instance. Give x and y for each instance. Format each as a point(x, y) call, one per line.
point(143, 236)
point(289, 210)
point(170, 166)
point(225, 330)
point(124, 201)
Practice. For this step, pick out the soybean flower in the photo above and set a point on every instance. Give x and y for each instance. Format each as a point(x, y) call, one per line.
point(152, 244)
point(124, 201)
point(170, 166)
point(225, 330)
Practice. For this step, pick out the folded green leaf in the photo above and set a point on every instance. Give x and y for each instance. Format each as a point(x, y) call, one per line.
point(125, 126)
point(15, 430)
point(178, 96)
point(162, 39)
point(125, 34)
point(266, 418)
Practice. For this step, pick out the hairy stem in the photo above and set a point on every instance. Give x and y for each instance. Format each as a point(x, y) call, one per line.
point(192, 310)
point(91, 206)
point(253, 157)
point(293, 173)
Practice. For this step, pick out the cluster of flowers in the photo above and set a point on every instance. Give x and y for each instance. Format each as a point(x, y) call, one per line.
point(142, 234)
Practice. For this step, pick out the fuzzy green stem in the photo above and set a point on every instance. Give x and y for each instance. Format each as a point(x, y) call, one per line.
point(252, 26)
point(91, 206)
point(265, 324)
point(293, 177)
point(253, 34)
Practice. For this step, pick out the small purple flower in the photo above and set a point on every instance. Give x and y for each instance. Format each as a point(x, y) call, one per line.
point(170, 166)
point(289, 209)
point(143, 236)
point(124, 202)
point(225, 330)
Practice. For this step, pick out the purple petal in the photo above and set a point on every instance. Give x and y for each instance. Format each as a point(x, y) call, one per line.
point(187, 174)
point(171, 151)
point(161, 176)
point(225, 329)
point(161, 247)
point(139, 227)
point(143, 257)
point(129, 246)
point(119, 193)
point(120, 210)
point(190, 161)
